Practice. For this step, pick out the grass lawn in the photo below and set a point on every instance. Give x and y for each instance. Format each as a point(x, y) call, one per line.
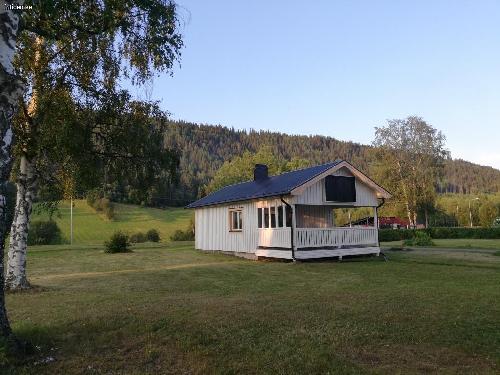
point(90, 227)
point(456, 244)
point(169, 309)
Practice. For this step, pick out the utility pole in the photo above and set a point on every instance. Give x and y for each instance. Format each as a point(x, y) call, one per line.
point(71, 221)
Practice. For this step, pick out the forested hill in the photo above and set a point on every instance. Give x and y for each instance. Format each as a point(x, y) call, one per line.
point(205, 147)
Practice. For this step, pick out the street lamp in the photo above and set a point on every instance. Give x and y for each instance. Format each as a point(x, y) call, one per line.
point(470, 212)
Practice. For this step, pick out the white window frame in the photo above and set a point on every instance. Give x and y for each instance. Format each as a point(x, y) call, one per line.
point(239, 219)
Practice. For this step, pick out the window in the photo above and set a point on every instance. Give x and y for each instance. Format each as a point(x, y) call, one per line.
point(280, 216)
point(273, 217)
point(235, 221)
point(340, 189)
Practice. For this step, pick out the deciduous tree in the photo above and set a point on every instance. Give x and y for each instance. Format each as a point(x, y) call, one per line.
point(11, 89)
point(83, 49)
point(409, 156)
point(488, 212)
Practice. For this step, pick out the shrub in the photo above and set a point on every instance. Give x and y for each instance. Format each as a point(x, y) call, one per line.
point(153, 235)
point(496, 223)
point(182, 235)
point(44, 233)
point(386, 235)
point(103, 205)
point(92, 196)
point(118, 243)
point(419, 239)
point(109, 211)
point(138, 237)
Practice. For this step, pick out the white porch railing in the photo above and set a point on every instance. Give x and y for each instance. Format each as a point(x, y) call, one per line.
point(275, 237)
point(323, 237)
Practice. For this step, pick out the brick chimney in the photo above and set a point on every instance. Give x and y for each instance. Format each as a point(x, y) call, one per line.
point(260, 172)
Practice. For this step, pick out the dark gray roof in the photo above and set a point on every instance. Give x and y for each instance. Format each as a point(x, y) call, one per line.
point(273, 186)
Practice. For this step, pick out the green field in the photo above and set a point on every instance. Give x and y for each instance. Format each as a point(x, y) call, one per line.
point(167, 308)
point(465, 243)
point(90, 227)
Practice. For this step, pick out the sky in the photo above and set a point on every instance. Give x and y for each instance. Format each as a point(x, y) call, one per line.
point(340, 68)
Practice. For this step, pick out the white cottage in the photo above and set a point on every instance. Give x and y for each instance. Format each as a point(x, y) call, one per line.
point(291, 215)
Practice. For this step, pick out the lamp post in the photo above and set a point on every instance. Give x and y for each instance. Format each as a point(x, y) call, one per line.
point(470, 211)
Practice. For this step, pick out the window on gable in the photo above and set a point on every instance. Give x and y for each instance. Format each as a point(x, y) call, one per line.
point(340, 189)
point(235, 220)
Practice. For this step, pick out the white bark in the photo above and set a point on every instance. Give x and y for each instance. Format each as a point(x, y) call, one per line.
point(11, 89)
point(16, 264)
point(26, 187)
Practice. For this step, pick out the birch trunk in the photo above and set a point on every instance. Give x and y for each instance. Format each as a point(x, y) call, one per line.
point(11, 89)
point(16, 278)
point(16, 265)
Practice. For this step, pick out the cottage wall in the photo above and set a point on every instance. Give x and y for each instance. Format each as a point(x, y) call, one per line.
point(212, 228)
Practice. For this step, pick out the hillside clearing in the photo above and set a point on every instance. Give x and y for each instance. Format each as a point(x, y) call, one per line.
point(91, 227)
point(171, 309)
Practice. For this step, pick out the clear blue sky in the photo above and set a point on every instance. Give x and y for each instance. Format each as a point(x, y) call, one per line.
point(339, 68)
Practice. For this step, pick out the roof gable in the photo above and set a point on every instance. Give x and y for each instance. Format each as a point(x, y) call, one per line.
point(381, 192)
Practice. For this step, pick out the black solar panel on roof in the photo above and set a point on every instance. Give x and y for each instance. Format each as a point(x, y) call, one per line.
point(272, 186)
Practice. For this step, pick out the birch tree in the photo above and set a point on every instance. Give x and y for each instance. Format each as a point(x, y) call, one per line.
point(85, 48)
point(409, 157)
point(11, 89)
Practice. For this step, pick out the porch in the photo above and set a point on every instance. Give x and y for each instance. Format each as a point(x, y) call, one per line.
point(314, 234)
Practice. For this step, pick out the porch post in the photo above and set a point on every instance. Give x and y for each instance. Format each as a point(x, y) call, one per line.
point(375, 217)
point(294, 225)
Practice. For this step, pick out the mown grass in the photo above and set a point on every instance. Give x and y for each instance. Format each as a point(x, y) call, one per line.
point(170, 309)
point(465, 243)
point(89, 227)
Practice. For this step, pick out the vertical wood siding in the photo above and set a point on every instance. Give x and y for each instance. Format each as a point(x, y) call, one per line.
point(315, 194)
point(212, 228)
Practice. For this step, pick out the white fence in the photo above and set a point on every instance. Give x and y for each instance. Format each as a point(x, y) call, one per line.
point(323, 237)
